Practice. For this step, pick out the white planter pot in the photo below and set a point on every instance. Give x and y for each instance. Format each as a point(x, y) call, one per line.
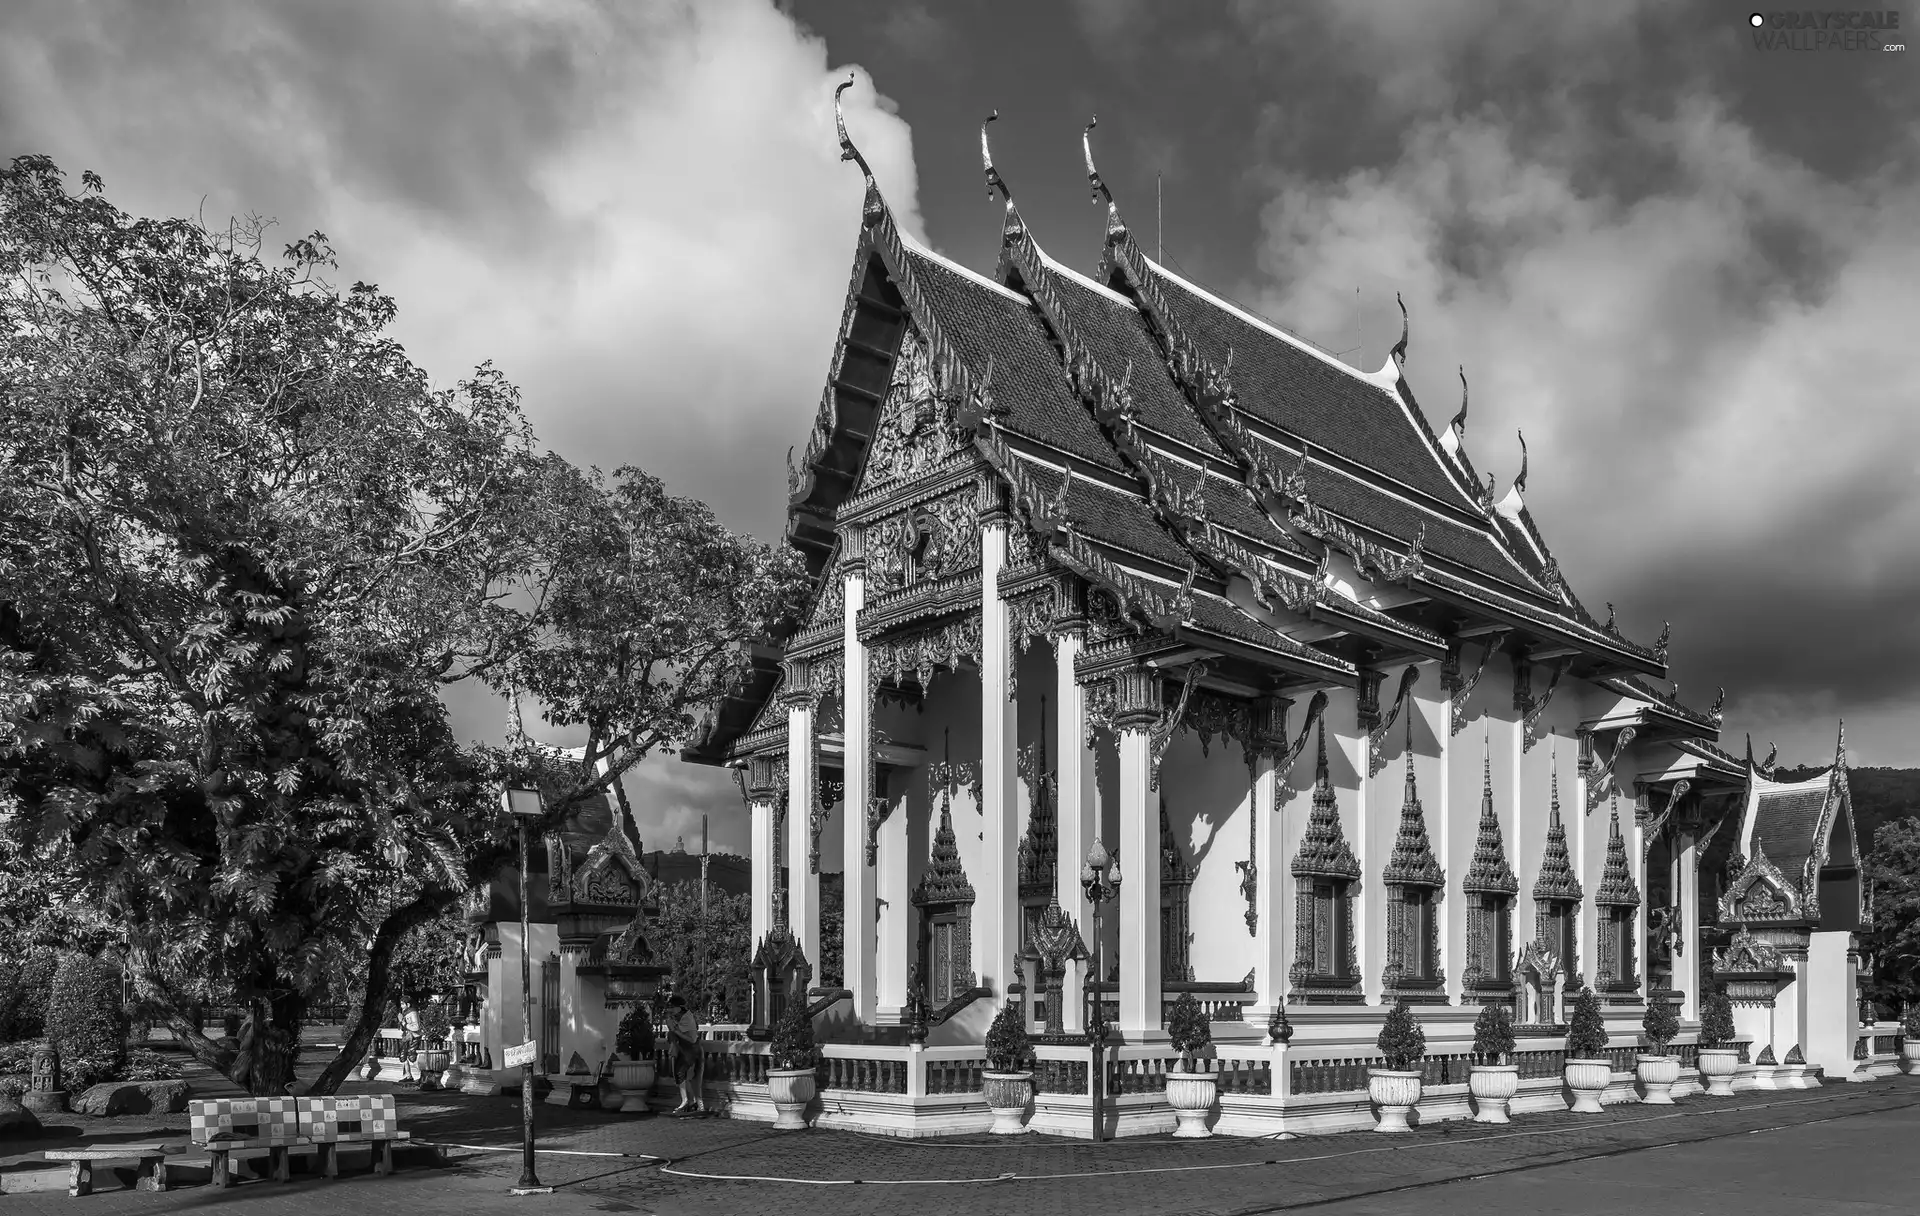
point(1492, 1087)
point(1657, 1075)
point(634, 1079)
point(1191, 1095)
point(1006, 1094)
point(1910, 1052)
point(1396, 1094)
point(1717, 1066)
point(1588, 1079)
point(791, 1089)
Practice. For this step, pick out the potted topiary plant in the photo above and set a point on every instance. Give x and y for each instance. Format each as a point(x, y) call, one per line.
point(634, 1068)
point(434, 1058)
point(1007, 1082)
point(1493, 1078)
point(1190, 1091)
point(1657, 1069)
point(1588, 1071)
point(1719, 1059)
point(1910, 1039)
point(1395, 1089)
point(794, 1058)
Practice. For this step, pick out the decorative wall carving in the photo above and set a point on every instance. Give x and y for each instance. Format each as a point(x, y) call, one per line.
point(1161, 732)
point(935, 539)
point(1620, 895)
point(1326, 965)
point(1600, 779)
point(1490, 886)
point(1413, 922)
point(1530, 720)
point(916, 429)
point(1458, 701)
point(1378, 734)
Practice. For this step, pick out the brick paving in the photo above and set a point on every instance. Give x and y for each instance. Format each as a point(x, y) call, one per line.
point(715, 1167)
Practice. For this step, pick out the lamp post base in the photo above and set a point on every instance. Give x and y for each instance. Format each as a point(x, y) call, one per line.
point(535, 1189)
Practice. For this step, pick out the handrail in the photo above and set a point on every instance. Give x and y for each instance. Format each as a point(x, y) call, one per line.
point(961, 1000)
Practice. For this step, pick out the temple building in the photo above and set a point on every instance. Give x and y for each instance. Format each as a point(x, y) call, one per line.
point(1105, 561)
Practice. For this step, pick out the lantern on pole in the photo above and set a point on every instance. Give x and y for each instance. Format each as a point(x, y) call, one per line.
point(525, 805)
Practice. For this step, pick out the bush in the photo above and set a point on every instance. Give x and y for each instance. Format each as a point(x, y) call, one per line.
point(1716, 1018)
point(1402, 1043)
point(17, 1058)
point(86, 1021)
point(144, 1065)
point(793, 1045)
point(435, 1027)
point(1007, 1047)
point(1493, 1034)
point(25, 985)
point(1587, 1033)
point(634, 1039)
point(1187, 1026)
point(1910, 1024)
point(1659, 1026)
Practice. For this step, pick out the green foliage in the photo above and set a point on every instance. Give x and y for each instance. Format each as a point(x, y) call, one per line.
point(435, 1026)
point(1910, 1024)
point(1892, 872)
point(634, 1039)
point(1587, 1030)
point(431, 959)
point(1659, 1024)
point(86, 1021)
point(704, 958)
point(793, 1045)
point(1493, 1034)
point(1008, 1049)
point(1188, 1028)
point(1716, 1018)
point(144, 1065)
point(1402, 1043)
point(25, 984)
point(244, 546)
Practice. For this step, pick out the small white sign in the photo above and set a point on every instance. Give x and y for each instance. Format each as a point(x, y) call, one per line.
point(520, 1056)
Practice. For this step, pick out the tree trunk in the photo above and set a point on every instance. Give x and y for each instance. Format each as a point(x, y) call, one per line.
point(379, 982)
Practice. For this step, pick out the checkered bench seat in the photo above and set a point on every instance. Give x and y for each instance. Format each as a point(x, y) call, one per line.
point(222, 1125)
point(364, 1119)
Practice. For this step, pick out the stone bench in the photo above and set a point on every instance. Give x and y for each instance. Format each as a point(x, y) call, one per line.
point(151, 1158)
point(224, 1125)
point(366, 1119)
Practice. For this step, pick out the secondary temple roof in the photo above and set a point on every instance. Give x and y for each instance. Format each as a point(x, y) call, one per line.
point(1225, 481)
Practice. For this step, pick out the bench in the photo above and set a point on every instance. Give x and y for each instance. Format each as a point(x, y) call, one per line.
point(152, 1159)
point(366, 1119)
point(222, 1125)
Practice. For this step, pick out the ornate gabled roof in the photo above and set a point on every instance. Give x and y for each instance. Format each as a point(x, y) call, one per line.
point(1775, 899)
point(1323, 851)
point(1490, 871)
point(1617, 886)
point(1557, 879)
point(1039, 848)
point(1412, 863)
point(944, 881)
point(1808, 825)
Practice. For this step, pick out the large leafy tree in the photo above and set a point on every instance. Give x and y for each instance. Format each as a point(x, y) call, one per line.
point(244, 545)
point(705, 948)
point(1893, 875)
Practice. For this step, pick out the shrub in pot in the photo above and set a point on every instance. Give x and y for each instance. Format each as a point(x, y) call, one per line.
point(434, 1057)
point(1190, 1090)
point(794, 1057)
point(1395, 1089)
point(1007, 1082)
point(634, 1069)
point(1910, 1040)
point(1657, 1069)
point(1493, 1078)
point(1588, 1070)
point(1719, 1058)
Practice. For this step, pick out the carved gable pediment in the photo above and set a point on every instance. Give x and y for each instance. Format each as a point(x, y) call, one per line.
point(915, 431)
point(1760, 893)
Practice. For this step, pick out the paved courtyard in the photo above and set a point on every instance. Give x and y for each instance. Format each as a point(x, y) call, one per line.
point(1845, 1148)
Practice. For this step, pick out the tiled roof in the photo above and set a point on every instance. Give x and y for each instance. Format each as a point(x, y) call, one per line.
point(1787, 821)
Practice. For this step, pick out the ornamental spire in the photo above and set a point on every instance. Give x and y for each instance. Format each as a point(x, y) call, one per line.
point(994, 180)
point(1459, 423)
point(1399, 351)
point(1323, 850)
point(1520, 482)
point(1616, 879)
point(1490, 871)
point(1557, 879)
point(873, 208)
point(1412, 863)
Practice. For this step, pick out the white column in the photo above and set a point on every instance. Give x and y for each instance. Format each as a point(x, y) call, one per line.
point(1139, 707)
point(892, 955)
point(996, 918)
point(1272, 940)
point(1074, 790)
point(764, 864)
point(858, 876)
point(803, 882)
point(1369, 910)
point(1453, 902)
point(1686, 968)
point(1642, 955)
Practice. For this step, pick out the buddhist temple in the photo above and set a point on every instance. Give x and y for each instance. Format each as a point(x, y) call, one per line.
point(1105, 561)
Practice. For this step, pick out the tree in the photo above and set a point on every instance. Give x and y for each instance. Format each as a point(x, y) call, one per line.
point(704, 961)
point(1402, 1043)
point(1587, 1030)
point(244, 547)
point(1893, 943)
point(86, 1022)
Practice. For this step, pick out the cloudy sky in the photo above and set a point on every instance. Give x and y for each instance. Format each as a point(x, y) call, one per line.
point(1685, 266)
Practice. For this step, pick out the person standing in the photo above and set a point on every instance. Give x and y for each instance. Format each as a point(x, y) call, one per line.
point(689, 1065)
point(411, 1043)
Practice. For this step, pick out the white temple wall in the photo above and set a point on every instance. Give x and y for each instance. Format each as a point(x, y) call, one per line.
point(1831, 1016)
point(1208, 801)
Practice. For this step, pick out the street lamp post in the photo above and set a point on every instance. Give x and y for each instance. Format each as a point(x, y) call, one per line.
point(524, 805)
point(1100, 883)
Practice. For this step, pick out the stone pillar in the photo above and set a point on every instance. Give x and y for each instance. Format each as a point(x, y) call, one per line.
point(1138, 708)
point(893, 953)
point(1686, 968)
point(996, 916)
point(857, 870)
point(1075, 829)
point(762, 788)
point(1643, 950)
point(1272, 936)
point(803, 881)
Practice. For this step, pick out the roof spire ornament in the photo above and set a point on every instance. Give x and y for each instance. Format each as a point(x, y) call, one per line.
point(873, 208)
point(1459, 423)
point(1840, 747)
point(1610, 627)
point(1660, 646)
point(1399, 351)
point(1098, 186)
point(994, 180)
point(1520, 482)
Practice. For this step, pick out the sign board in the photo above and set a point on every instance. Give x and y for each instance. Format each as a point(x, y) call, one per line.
point(522, 802)
point(522, 1055)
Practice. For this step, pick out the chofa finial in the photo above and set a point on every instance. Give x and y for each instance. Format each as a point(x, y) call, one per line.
point(1459, 423)
point(847, 150)
point(1399, 351)
point(1520, 482)
point(994, 180)
point(1099, 187)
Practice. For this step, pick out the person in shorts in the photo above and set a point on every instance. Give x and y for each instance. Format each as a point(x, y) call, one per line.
point(688, 1064)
